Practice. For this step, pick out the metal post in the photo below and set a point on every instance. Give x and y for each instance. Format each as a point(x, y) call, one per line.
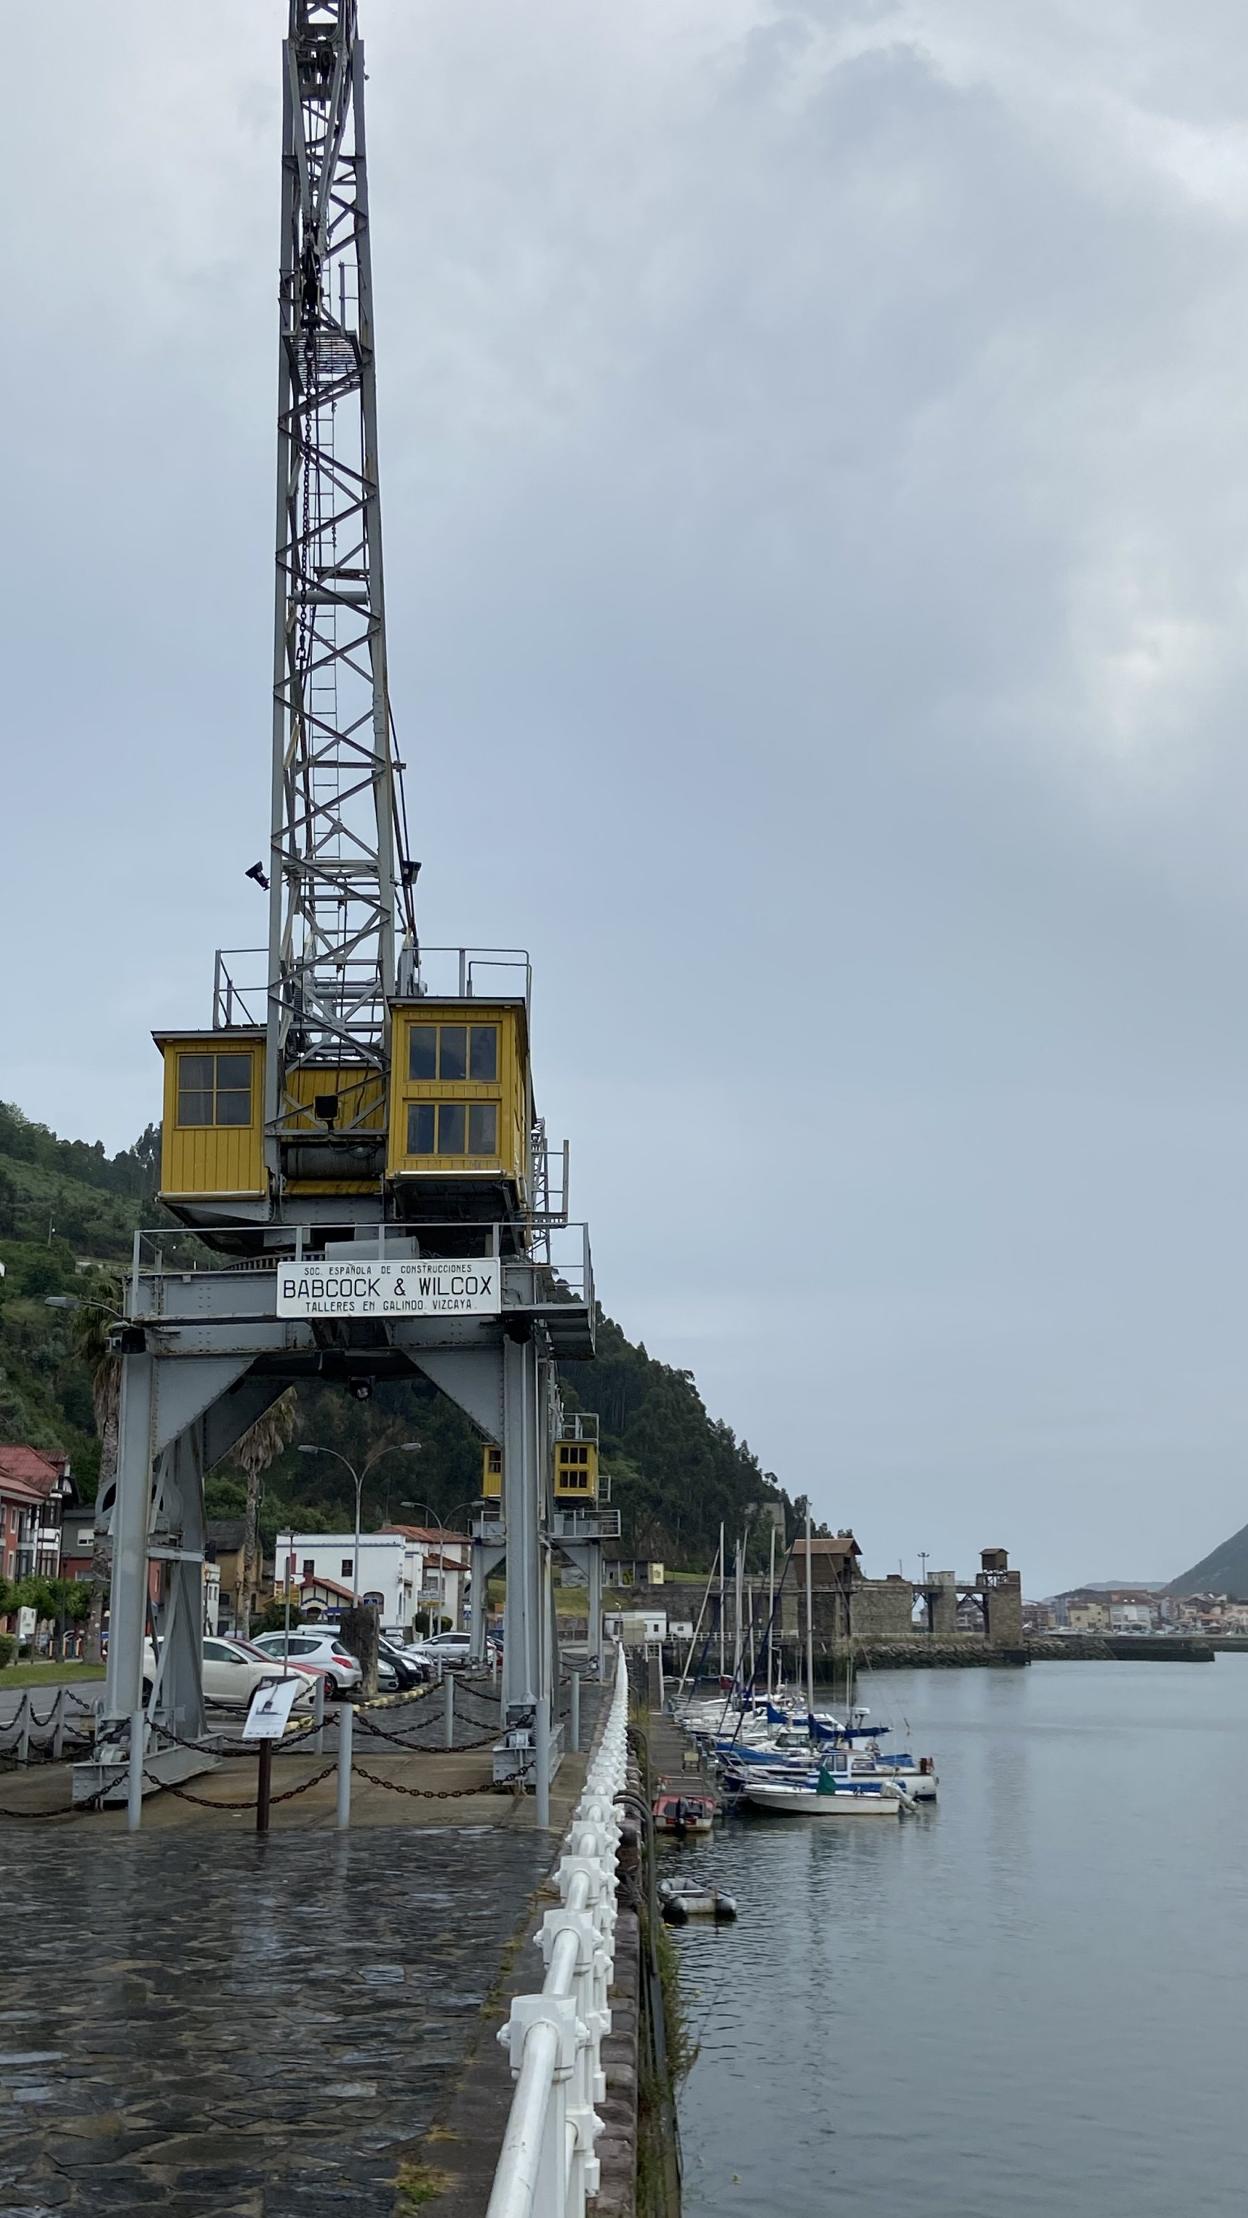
point(58, 1724)
point(346, 1719)
point(355, 1560)
point(595, 1605)
point(522, 1632)
point(450, 1710)
point(574, 1722)
point(134, 1778)
point(23, 1737)
point(128, 1589)
point(541, 1753)
point(264, 1786)
point(318, 1716)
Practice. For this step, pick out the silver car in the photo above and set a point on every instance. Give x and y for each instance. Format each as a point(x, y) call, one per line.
point(317, 1647)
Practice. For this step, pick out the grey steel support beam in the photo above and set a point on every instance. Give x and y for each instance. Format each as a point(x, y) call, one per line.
point(181, 1495)
point(123, 1690)
point(595, 1604)
point(524, 1676)
point(163, 1436)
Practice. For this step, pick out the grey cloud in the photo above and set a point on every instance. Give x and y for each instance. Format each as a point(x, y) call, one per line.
point(806, 442)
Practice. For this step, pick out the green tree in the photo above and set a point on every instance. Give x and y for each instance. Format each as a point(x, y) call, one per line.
point(93, 1325)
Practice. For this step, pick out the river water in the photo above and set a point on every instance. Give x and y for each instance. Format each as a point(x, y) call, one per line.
point(1029, 2002)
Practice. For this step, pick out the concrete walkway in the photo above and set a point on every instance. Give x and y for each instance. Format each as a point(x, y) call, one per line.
point(195, 2019)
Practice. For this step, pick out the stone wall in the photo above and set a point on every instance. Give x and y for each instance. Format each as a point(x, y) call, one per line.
point(1003, 1612)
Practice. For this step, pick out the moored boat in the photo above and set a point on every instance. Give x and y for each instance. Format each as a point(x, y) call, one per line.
point(828, 1797)
point(675, 1811)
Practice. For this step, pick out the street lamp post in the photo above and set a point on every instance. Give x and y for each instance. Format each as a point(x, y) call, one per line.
point(404, 1447)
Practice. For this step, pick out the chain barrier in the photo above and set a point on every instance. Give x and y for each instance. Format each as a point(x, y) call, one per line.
point(429, 1748)
point(420, 1794)
point(48, 1817)
point(197, 1748)
point(203, 1802)
point(41, 1753)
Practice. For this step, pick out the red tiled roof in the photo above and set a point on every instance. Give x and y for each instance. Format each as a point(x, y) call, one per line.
point(430, 1533)
point(30, 1469)
point(331, 1586)
point(839, 1544)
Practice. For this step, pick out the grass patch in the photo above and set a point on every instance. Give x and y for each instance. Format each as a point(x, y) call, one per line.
point(682, 2049)
point(49, 1674)
point(417, 2186)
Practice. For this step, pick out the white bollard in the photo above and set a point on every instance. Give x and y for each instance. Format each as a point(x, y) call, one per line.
point(449, 1725)
point(134, 1776)
point(346, 1721)
point(541, 1757)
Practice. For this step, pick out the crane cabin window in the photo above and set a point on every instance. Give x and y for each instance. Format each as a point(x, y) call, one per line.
point(453, 1052)
point(452, 1128)
point(214, 1090)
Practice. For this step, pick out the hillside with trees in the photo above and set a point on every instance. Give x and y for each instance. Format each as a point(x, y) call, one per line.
point(1223, 1571)
point(67, 1215)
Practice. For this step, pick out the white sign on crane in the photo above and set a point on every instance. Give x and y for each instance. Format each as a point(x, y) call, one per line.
point(469, 1287)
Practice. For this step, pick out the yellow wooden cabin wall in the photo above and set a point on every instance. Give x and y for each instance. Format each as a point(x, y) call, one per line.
point(509, 1090)
point(211, 1159)
point(361, 1092)
point(576, 1470)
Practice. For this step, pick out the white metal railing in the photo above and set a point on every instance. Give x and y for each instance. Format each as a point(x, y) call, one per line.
point(547, 2166)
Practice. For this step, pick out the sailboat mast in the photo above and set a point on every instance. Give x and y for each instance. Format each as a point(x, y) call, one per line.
point(810, 1627)
point(771, 1604)
point(721, 1601)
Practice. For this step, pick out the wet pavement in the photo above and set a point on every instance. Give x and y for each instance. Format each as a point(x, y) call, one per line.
point(255, 2029)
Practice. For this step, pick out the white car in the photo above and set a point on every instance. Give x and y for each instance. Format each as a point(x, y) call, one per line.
point(232, 1670)
point(315, 1649)
point(447, 1649)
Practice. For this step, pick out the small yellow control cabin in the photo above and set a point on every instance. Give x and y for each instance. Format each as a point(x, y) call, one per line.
point(441, 1137)
point(576, 1478)
point(491, 1474)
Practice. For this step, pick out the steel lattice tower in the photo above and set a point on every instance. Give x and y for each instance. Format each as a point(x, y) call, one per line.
point(339, 871)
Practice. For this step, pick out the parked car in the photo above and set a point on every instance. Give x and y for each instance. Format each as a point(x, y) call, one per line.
point(310, 1644)
point(448, 1651)
point(232, 1670)
point(409, 1671)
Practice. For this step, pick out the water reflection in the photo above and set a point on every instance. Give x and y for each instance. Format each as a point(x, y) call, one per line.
point(1028, 2000)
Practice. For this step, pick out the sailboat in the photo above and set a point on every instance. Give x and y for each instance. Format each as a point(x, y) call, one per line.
point(833, 1795)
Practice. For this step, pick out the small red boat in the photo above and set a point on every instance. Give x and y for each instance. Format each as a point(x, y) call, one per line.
point(676, 1811)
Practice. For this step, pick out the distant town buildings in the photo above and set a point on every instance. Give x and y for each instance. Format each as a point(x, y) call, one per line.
point(1136, 1610)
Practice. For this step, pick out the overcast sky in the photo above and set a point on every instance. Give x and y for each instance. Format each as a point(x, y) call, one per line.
point(813, 479)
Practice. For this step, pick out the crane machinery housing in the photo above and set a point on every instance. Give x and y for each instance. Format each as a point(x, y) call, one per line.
point(353, 1138)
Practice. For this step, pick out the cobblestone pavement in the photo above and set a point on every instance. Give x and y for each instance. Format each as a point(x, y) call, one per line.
point(203, 2023)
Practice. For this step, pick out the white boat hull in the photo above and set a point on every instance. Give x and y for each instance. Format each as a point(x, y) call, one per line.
point(807, 1802)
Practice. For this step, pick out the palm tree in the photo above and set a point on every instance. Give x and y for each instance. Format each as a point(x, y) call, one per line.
point(93, 1324)
point(260, 1446)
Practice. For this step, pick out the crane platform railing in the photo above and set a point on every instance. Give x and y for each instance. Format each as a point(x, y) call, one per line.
point(546, 2166)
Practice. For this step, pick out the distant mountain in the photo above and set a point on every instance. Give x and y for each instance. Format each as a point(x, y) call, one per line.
point(1223, 1572)
point(1121, 1586)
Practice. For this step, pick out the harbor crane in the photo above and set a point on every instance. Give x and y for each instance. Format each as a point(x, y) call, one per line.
point(359, 1184)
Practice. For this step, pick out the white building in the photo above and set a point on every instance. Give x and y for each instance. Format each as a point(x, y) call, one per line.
point(1130, 1617)
point(391, 1574)
point(444, 1582)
